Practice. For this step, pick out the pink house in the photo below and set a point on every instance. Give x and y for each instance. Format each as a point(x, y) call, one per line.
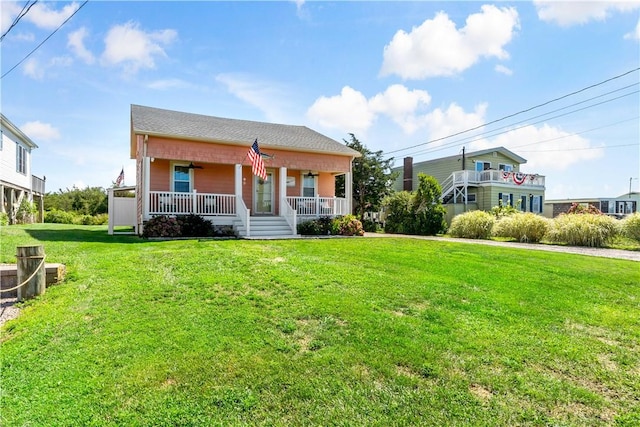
point(195, 164)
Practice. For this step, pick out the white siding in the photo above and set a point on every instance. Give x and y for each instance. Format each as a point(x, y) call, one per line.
point(8, 165)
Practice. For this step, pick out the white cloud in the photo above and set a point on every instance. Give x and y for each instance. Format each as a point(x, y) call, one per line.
point(401, 105)
point(442, 123)
point(166, 84)
point(504, 70)
point(269, 97)
point(635, 34)
point(348, 111)
point(437, 48)
point(8, 12)
point(33, 69)
point(43, 16)
point(567, 13)
point(546, 148)
point(75, 42)
point(39, 131)
point(132, 48)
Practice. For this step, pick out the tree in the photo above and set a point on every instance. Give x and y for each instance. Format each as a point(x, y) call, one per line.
point(88, 201)
point(372, 178)
point(420, 212)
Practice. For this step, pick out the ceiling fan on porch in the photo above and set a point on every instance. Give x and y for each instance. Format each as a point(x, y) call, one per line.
point(192, 166)
point(311, 175)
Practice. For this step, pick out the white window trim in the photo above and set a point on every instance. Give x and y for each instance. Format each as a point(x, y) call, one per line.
point(21, 152)
point(315, 185)
point(482, 162)
point(172, 172)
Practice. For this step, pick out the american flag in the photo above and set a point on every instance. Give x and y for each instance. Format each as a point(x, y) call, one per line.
point(120, 178)
point(257, 164)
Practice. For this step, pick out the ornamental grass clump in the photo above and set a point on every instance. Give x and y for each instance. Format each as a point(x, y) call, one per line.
point(585, 229)
point(631, 226)
point(524, 227)
point(472, 225)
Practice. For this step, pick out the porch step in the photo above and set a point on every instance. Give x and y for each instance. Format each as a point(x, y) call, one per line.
point(265, 226)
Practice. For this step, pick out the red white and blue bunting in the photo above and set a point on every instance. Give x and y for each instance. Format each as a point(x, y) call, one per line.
point(518, 178)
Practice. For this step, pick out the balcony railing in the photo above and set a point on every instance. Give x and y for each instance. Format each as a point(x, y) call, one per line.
point(496, 176)
point(205, 204)
point(37, 185)
point(318, 206)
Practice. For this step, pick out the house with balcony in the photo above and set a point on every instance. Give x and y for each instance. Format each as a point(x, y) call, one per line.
point(196, 164)
point(478, 180)
point(16, 181)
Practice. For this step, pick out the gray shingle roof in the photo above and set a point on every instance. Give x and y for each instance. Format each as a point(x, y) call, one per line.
point(159, 122)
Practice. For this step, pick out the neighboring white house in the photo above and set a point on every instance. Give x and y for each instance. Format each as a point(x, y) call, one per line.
point(16, 180)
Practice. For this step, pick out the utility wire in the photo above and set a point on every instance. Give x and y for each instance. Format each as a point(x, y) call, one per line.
point(43, 41)
point(494, 133)
point(22, 13)
point(519, 112)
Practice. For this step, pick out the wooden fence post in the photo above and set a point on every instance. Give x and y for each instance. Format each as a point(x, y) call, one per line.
point(31, 269)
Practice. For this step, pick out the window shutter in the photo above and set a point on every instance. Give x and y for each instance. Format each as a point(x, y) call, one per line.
point(499, 199)
point(511, 199)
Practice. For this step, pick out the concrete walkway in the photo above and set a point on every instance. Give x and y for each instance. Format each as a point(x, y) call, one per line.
point(579, 250)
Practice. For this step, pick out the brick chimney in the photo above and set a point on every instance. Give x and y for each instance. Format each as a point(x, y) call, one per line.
point(407, 182)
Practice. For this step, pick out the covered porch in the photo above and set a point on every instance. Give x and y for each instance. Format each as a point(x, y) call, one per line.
point(254, 206)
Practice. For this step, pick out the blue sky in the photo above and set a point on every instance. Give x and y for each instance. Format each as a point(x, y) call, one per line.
point(401, 76)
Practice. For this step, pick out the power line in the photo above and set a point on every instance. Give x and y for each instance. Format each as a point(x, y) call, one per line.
point(43, 41)
point(494, 133)
point(20, 15)
point(518, 113)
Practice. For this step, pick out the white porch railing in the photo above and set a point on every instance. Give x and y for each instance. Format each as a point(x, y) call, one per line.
point(290, 214)
point(318, 206)
point(244, 215)
point(166, 202)
point(474, 177)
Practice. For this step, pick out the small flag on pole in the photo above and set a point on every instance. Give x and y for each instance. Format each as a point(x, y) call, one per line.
point(120, 178)
point(257, 164)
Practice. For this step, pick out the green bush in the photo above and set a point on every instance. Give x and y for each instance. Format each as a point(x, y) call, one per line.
point(472, 225)
point(4, 219)
point(349, 225)
point(587, 229)
point(370, 226)
point(501, 210)
point(309, 228)
point(26, 212)
point(631, 226)
point(195, 226)
point(59, 217)
point(162, 226)
point(524, 227)
point(398, 212)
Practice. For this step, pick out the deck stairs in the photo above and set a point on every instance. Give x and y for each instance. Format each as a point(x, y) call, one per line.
point(265, 227)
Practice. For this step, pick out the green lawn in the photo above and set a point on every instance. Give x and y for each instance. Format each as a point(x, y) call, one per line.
point(347, 331)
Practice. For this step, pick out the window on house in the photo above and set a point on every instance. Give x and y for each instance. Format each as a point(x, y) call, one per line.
point(482, 166)
point(308, 186)
point(505, 167)
point(523, 203)
point(471, 198)
point(505, 199)
point(536, 204)
point(181, 179)
point(21, 159)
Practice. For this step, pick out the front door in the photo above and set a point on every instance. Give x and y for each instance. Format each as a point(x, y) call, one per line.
point(263, 195)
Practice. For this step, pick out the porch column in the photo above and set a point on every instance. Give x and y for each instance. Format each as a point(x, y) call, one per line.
point(146, 186)
point(2, 201)
point(282, 188)
point(348, 191)
point(238, 181)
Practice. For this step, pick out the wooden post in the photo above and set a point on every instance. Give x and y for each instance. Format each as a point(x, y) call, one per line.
point(31, 269)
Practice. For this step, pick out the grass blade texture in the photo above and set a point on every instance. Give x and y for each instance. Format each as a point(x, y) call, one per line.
point(349, 331)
